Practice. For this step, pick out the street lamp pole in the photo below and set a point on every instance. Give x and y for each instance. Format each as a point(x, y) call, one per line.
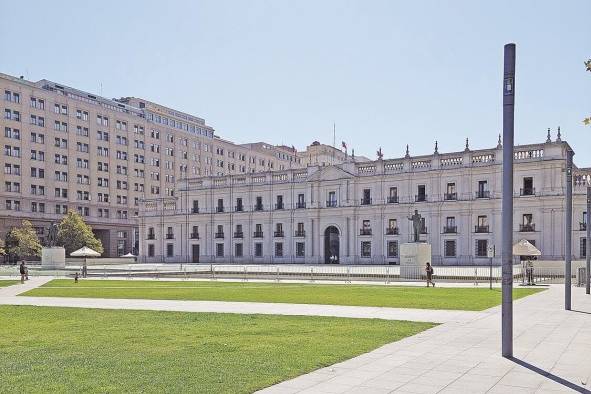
point(568, 217)
point(507, 203)
point(588, 249)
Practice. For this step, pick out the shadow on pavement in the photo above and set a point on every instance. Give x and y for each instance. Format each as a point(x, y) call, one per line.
point(550, 376)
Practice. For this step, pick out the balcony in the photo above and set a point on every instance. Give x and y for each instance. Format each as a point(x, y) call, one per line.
point(582, 226)
point(238, 234)
point(420, 197)
point(450, 196)
point(481, 229)
point(483, 194)
point(365, 231)
point(194, 235)
point(195, 210)
point(239, 208)
point(258, 207)
point(169, 236)
point(151, 237)
point(393, 200)
point(527, 228)
point(300, 205)
point(257, 234)
point(331, 203)
point(450, 229)
point(279, 205)
point(278, 234)
point(528, 191)
point(219, 235)
point(391, 230)
point(366, 201)
point(300, 233)
point(219, 209)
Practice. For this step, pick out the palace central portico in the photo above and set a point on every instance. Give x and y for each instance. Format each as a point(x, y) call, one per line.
point(358, 213)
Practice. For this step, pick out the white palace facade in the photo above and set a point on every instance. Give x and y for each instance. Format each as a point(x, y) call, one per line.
point(357, 212)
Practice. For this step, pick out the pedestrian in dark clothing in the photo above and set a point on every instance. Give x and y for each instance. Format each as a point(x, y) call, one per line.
point(429, 272)
point(23, 271)
point(76, 277)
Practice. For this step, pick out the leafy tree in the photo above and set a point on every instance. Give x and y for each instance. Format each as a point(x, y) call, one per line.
point(73, 233)
point(2, 250)
point(23, 241)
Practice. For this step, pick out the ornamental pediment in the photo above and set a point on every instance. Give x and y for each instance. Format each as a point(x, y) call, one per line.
point(330, 173)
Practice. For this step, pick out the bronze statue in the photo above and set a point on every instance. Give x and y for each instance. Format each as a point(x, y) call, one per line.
point(417, 224)
point(51, 235)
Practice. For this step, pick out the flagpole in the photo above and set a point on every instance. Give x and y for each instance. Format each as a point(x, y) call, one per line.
point(334, 138)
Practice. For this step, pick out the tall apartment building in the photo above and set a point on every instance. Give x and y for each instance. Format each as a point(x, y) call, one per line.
point(65, 149)
point(357, 213)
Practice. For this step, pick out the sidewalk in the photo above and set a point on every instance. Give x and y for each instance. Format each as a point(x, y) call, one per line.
point(552, 349)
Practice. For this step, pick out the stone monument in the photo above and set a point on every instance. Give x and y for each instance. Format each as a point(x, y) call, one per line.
point(52, 256)
point(415, 254)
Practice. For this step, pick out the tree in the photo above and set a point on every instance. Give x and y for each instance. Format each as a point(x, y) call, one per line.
point(73, 233)
point(23, 241)
point(2, 251)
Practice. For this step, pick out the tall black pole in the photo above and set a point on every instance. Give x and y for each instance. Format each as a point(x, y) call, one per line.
point(507, 205)
point(588, 249)
point(568, 219)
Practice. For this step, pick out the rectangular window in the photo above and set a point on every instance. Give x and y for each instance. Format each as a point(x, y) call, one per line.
point(450, 248)
point(366, 199)
point(278, 249)
point(583, 249)
point(392, 249)
point(169, 250)
point(481, 247)
point(366, 249)
point(258, 249)
point(421, 193)
point(300, 249)
point(150, 250)
point(219, 250)
point(238, 250)
point(528, 186)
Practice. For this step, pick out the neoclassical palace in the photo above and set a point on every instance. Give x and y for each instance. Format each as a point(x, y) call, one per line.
point(358, 212)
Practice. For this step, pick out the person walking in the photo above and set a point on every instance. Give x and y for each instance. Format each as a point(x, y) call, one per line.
point(23, 271)
point(429, 272)
point(84, 270)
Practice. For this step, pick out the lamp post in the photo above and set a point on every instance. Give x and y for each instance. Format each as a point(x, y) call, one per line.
point(588, 249)
point(507, 203)
point(568, 217)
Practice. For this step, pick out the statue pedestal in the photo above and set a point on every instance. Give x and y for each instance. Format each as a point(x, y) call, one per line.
point(413, 257)
point(53, 257)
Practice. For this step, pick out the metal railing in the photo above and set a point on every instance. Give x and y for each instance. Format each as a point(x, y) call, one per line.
point(392, 199)
point(483, 194)
point(477, 275)
point(450, 196)
point(527, 228)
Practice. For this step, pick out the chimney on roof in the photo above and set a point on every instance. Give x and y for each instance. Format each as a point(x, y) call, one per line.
point(22, 77)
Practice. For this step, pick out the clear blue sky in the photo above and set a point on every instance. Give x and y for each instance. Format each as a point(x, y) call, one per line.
point(387, 72)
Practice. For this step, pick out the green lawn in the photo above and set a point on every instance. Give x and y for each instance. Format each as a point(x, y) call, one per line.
point(364, 295)
point(8, 282)
point(110, 351)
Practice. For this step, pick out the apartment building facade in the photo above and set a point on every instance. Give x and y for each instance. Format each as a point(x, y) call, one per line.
point(66, 149)
point(358, 213)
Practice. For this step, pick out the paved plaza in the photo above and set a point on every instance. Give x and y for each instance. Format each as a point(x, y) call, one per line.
point(552, 346)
